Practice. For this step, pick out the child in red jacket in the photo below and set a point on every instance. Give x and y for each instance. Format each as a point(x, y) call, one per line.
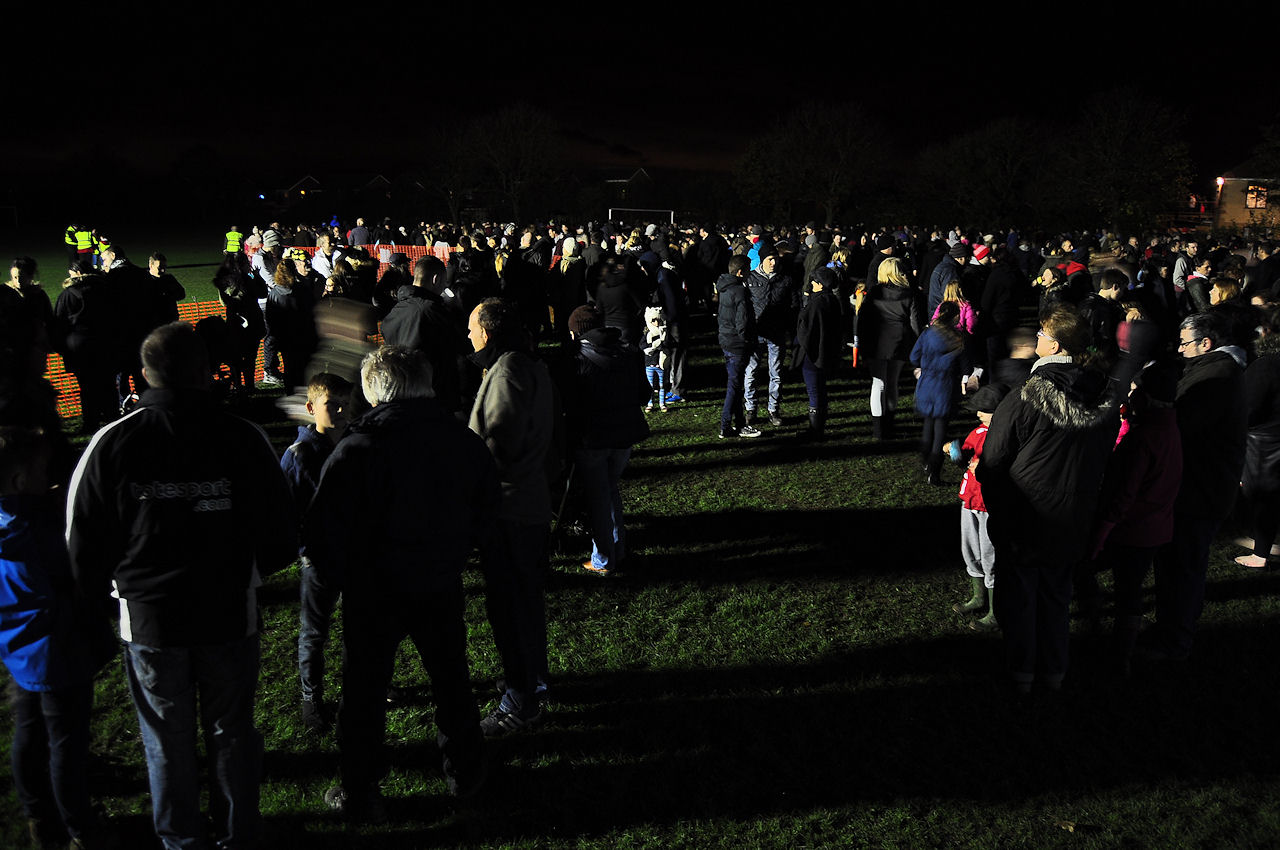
point(975, 543)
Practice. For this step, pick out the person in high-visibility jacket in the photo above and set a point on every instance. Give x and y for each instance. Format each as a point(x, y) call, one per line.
point(84, 244)
point(234, 240)
point(69, 238)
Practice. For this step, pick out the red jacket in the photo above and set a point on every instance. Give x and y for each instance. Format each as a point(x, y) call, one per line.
point(970, 489)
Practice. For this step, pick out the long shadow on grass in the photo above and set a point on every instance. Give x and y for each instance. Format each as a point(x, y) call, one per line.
point(733, 545)
point(922, 721)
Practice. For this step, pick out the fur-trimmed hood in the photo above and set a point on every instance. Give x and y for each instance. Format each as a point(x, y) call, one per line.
point(1071, 398)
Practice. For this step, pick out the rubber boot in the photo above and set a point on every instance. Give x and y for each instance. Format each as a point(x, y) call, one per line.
point(987, 623)
point(976, 602)
point(877, 427)
point(888, 425)
point(817, 424)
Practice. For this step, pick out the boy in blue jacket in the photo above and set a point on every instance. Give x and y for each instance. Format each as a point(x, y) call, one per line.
point(45, 642)
point(327, 399)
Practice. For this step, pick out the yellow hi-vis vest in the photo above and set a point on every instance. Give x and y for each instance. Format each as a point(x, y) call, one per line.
point(234, 238)
point(84, 241)
point(70, 236)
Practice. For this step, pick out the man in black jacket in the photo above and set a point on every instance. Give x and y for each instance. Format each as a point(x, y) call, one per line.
point(178, 509)
point(402, 500)
point(737, 320)
point(421, 320)
point(1213, 422)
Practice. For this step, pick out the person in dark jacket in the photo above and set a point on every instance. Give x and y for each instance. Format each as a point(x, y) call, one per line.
point(998, 305)
point(88, 338)
point(1213, 421)
point(886, 328)
point(1041, 471)
point(239, 290)
point(291, 300)
point(737, 336)
point(819, 343)
point(940, 360)
point(1260, 483)
point(949, 268)
point(603, 395)
point(771, 297)
point(615, 295)
point(1136, 507)
point(403, 500)
point(420, 320)
point(203, 527)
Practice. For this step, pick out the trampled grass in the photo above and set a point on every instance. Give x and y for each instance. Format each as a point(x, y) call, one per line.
point(780, 667)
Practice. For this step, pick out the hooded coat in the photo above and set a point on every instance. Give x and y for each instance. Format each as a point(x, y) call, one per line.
point(1043, 462)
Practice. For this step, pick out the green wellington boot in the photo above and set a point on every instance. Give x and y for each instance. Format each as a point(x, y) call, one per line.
point(977, 602)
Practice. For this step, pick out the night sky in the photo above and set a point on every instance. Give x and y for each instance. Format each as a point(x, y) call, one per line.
point(353, 110)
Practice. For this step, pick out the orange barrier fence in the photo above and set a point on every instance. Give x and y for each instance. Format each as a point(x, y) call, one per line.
point(194, 311)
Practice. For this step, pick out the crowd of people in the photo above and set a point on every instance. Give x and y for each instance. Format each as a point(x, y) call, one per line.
point(1125, 397)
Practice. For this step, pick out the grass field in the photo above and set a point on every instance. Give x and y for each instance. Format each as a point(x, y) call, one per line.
point(781, 668)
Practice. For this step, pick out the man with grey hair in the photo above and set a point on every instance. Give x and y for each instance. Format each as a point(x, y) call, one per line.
point(402, 500)
point(1212, 420)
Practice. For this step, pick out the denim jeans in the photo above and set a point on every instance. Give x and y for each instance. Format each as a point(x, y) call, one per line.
point(49, 754)
point(513, 559)
point(164, 683)
point(736, 366)
point(815, 385)
point(316, 613)
point(773, 352)
point(599, 471)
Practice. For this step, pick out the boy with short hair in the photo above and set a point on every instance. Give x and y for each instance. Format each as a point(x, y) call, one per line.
point(48, 642)
point(327, 398)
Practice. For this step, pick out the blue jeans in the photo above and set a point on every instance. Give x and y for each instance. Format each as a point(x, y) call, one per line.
point(164, 683)
point(815, 384)
point(773, 351)
point(599, 471)
point(316, 614)
point(736, 366)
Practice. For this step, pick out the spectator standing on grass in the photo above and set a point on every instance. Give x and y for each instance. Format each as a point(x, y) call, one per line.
point(403, 500)
point(328, 397)
point(208, 513)
point(736, 318)
point(940, 361)
point(1041, 470)
point(603, 395)
point(1136, 507)
point(771, 297)
point(819, 344)
point(515, 414)
point(1213, 422)
point(1260, 481)
point(52, 644)
point(291, 299)
point(886, 328)
point(975, 540)
point(88, 331)
point(238, 290)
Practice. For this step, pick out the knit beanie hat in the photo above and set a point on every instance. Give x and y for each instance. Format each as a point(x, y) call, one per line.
point(585, 318)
